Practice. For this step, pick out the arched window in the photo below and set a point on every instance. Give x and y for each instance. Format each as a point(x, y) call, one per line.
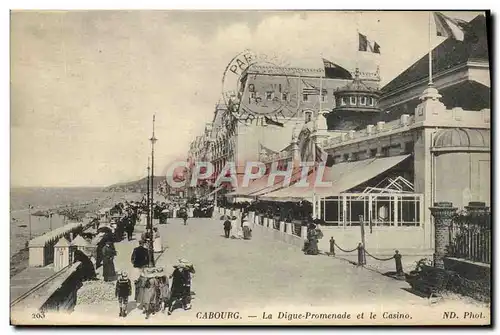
point(343, 101)
point(362, 101)
point(353, 101)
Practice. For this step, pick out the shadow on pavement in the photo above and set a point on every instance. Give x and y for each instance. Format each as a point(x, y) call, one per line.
point(394, 275)
point(131, 305)
point(415, 292)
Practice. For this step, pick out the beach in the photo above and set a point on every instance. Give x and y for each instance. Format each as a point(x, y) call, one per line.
point(42, 199)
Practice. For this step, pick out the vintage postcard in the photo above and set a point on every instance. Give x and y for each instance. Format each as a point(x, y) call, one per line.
point(250, 168)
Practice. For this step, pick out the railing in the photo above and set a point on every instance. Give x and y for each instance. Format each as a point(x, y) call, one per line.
point(296, 229)
point(276, 223)
point(471, 237)
point(380, 129)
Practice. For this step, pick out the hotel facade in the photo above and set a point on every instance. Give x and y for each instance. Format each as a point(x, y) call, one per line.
point(396, 150)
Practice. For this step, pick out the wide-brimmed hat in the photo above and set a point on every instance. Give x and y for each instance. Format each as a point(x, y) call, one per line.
point(184, 262)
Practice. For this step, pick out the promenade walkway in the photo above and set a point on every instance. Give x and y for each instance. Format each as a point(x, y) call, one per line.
point(259, 274)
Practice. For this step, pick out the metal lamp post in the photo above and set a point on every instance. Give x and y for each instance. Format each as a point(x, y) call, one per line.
point(148, 217)
point(153, 140)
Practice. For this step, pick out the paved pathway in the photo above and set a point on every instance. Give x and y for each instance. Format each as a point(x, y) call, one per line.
point(234, 274)
point(262, 275)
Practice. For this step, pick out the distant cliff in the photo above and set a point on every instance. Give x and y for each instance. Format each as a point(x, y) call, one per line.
point(138, 186)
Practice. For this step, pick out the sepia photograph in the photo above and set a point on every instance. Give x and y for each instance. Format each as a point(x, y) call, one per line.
point(250, 168)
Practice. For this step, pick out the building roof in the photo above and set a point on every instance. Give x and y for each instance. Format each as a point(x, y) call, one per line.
point(63, 242)
point(447, 55)
point(357, 85)
point(462, 137)
point(309, 72)
point(79, 241)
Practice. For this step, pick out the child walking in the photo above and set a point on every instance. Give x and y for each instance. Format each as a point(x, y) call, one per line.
point(122, 292)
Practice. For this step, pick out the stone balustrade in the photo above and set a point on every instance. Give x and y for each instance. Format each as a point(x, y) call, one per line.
point(455, 117)
point(41, 248)
point(380, 129)
point(282, 155)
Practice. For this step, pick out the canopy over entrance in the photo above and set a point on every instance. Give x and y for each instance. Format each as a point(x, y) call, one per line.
point(342, 176)
point(261, 185)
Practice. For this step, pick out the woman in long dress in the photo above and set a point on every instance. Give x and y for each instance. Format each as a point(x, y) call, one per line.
point(164, 292)
point(150, 296)
point(312, 241)
point(157, 244)
point(108, 265)
point(178, 292)
point(235, 227)
point(140, 287)
point(247, 232)
point(87, 266)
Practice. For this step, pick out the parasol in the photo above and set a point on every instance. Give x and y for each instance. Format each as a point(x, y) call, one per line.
point(225, 217)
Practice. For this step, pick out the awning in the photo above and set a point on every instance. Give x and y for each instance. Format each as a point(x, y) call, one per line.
point(253, 186)
point(213, 192)
point(260, 186)
point(279, 182)
point(343, 177)
point(362, 174)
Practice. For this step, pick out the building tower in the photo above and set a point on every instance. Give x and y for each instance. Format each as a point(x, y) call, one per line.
point(356, 105)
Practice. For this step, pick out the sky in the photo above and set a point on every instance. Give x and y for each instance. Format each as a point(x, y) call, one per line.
point(85, 84)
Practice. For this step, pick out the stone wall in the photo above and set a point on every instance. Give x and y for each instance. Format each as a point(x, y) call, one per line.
point(62, 295)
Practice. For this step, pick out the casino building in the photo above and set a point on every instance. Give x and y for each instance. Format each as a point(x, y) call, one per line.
point(229, 138)
point(396, 150)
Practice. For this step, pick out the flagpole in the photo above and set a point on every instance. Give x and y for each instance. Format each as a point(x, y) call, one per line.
point(298, 92)
point(320, 93)
point(357, 52)
point(430, 51)
point(357, 38)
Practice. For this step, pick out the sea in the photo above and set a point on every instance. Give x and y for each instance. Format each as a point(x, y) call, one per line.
point(45, 198)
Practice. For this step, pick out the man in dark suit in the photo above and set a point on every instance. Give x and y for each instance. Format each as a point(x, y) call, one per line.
point(140, 256)
point(140, 260)
point(227, 228)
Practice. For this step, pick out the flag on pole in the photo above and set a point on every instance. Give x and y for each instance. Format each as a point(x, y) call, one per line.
point(448, 27)
point(333, 70)
point(366, 45)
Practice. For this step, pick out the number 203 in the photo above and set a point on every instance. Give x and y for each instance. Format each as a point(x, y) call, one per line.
point(39, 315)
